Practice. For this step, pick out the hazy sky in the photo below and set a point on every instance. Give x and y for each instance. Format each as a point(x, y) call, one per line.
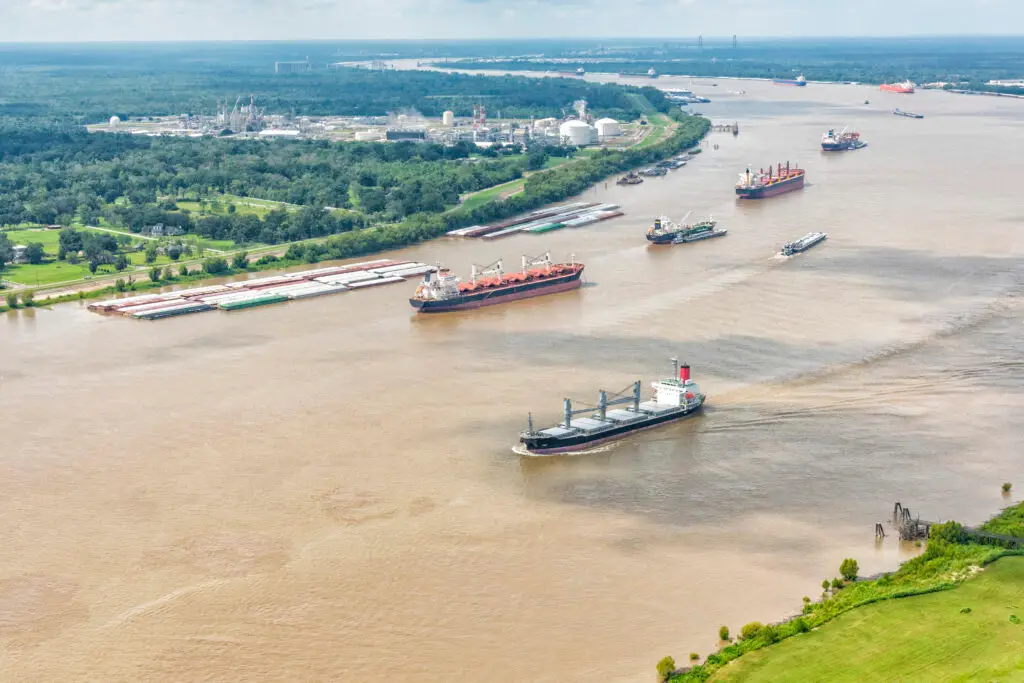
point(84, 20)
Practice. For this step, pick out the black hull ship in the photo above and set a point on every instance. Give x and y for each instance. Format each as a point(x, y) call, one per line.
point(675, 398)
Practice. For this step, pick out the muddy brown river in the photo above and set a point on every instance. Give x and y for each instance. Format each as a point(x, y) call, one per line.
point(326, 490)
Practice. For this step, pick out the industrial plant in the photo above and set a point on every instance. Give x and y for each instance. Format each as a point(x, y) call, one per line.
point(247, 119)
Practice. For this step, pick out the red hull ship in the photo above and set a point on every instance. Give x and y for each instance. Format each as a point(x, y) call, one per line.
point(447, 293)
point(906, 87)
point(768, 184)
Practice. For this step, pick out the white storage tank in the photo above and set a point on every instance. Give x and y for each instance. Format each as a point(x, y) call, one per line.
point(607, 128)
point(448, 119)
point(576, 133)
point(115, 121)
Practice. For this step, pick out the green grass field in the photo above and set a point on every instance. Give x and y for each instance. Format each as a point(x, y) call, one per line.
point(52, 270)
point(220, 207)
point(643, 103)
point(656, 127)
point(493, 193)
point(924, 638)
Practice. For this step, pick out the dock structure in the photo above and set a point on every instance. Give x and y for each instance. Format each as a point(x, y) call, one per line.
point(912, 528)
point(733, 128)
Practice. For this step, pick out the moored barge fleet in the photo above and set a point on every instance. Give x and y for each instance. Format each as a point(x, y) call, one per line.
point(768, 184)
point(491, 285)
point(675, 398)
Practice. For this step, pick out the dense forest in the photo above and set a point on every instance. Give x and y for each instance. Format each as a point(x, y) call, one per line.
point(54, 176)
point(92, 93)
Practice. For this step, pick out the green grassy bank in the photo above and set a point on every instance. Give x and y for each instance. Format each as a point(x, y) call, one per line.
point(903, 626)
point(925, 638)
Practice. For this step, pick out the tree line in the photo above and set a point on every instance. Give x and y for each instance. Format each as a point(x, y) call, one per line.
point(49, 175)
point(83, 93)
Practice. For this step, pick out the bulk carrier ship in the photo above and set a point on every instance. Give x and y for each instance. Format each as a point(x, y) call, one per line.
point(491, 285)
point(798, 81)
point(760, 185)
point(674, 398)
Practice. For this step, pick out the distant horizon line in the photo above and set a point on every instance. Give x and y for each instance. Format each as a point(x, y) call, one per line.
point(724, 37)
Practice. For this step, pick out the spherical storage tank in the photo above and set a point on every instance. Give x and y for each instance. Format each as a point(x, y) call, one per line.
point(114, 120)
point(576, 133)
point(448, 119)
point(607, 128)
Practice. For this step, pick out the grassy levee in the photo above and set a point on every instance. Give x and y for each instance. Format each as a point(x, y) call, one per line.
point(925, 638)
point(897, 627)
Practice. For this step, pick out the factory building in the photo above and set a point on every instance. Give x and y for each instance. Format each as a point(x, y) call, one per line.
point(396, 134)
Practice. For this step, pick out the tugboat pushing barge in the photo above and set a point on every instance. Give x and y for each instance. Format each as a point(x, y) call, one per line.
point(761, 184)
point(491, 285)
point(803, 244)
point(674, 398)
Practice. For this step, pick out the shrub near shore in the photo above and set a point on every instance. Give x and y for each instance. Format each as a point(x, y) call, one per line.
point(949, 559)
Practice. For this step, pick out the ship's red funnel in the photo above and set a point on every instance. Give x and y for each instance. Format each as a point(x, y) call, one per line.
point(684, 373)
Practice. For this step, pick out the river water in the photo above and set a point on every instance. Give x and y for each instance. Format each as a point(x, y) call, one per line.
point(326, 490)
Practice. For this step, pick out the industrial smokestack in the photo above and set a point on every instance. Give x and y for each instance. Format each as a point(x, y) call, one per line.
point(684, 373)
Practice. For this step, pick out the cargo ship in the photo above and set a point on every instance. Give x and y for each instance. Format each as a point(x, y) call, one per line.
point(798, 81)
point(776, 181)
point(674, 398)
point(803, 244)
point(906, 87)
point(909, 115)
point(843, 140)
point(664, 231)
point(491, 285)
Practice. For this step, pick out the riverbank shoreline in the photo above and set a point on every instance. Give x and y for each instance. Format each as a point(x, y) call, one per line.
point(556, 184)
point(953, 555)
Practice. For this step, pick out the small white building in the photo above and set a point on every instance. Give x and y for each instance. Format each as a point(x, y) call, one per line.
point(19, 253)
point(279, 133)
point(577, 133)
point(607, 128)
